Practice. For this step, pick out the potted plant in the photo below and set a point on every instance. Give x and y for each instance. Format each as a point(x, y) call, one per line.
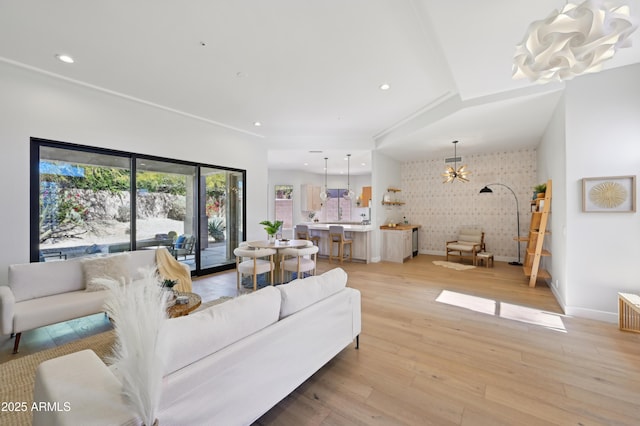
point(271, 228)
point(540, 190)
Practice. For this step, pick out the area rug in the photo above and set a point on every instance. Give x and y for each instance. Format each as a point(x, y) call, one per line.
point(17, 377)
point(452, 265)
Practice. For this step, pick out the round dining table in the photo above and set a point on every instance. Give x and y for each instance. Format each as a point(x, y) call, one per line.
point(277, 245)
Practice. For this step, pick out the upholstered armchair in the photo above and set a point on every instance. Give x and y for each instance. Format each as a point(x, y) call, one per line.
point(469, 243)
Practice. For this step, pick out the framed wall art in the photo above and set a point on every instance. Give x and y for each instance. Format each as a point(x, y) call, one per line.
point(616, 194)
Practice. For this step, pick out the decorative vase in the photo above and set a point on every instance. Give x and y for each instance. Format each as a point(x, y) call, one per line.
point(272, 238)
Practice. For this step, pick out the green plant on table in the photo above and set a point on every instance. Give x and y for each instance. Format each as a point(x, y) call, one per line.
point(271, 227)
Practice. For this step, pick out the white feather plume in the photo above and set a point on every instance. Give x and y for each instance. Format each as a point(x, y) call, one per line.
point(139, 312)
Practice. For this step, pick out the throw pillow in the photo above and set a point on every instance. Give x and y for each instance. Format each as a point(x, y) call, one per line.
point(115, 267)
point(180, 242)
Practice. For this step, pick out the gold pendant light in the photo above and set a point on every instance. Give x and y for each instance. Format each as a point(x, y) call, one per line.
point(453, 173)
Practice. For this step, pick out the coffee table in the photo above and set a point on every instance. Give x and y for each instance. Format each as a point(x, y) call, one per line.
point(176, 310)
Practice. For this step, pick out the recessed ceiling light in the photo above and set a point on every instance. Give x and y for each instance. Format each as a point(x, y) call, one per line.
point(65, 58)
point(257, 123)
point(306, 164)
point(363, 164)
point(385, 86)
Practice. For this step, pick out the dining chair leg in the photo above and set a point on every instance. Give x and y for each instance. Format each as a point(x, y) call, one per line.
point(237, 274)
point(272, 268)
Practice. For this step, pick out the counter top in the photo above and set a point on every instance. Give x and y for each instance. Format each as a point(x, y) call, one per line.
point(399, 227)
point(350, 228)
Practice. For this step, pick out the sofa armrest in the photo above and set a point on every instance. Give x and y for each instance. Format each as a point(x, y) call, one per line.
point(7, 304)
point(84, 391)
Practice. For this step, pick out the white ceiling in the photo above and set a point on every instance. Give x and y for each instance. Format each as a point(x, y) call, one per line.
point(309, 71)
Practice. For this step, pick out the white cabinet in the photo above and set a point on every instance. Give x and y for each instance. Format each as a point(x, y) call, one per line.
point(396, 245)
point(309, 198)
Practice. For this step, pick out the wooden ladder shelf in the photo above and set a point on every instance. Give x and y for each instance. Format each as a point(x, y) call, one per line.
point(535, 240)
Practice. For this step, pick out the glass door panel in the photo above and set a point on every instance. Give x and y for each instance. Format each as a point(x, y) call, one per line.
point(84, 203)
point(221, 216)
point(165, 208)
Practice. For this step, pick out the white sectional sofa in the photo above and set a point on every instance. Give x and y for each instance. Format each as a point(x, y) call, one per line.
point(226, 365)
point(45, 293)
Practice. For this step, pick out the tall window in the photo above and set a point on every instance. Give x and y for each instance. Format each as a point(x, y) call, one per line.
point(337, 208)
point(284, 205)
point(84, 203)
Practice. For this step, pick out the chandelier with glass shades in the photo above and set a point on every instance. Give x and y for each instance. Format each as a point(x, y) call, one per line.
point(575, 40)
point(324, 194)
point(348, 194)
point(453, 173)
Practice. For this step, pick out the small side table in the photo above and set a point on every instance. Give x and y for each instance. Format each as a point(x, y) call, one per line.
point(176, 310)
point(485, 257)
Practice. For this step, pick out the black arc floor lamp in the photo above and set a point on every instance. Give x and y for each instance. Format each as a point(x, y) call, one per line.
point(487, 190)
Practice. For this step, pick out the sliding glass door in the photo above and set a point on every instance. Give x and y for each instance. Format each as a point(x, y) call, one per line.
point(166, 208)
point(83, 203)
point(221, 210)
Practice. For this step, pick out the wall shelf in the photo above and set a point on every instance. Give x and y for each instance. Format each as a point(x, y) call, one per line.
point(392, 203)
point(535, 241)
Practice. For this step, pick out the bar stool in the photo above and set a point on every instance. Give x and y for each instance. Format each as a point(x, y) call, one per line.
point(302, 233)
point(336, 236)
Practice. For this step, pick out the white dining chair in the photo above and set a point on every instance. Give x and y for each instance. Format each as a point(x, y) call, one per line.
point(299, 260)
point(254, 262)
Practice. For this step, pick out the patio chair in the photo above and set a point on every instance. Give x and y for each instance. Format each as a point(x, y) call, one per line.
point(183, 246)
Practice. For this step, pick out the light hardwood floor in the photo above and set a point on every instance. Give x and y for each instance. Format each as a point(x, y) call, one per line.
point(446, 347)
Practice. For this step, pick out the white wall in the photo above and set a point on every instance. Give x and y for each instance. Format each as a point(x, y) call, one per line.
point(385, 174)
point(551, 162)
point(37, 105)
point(603, 139)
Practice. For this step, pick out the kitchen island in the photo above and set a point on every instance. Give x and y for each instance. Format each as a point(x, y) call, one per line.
point(360, 234)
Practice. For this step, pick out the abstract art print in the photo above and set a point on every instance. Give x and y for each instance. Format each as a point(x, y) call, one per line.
point(616, 194)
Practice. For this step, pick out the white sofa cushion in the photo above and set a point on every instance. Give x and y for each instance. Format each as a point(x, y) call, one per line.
point(193, 337)
point(35, 313)
point(115, 267)
point(139, 261)
point(300, 293)
point(34, 280)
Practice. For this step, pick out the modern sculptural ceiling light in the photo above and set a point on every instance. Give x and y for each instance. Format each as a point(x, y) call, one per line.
point(577, 39)
point(453, 173)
